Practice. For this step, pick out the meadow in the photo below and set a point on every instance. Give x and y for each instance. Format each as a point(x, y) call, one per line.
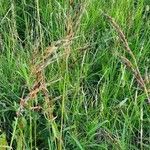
point(74, 74)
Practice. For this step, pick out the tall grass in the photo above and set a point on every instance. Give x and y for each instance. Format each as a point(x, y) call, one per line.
point(63, 85)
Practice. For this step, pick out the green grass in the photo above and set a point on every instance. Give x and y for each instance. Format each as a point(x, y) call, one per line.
point(97, 102)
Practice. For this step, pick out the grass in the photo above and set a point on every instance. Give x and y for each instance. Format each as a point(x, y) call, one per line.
point(73, 77)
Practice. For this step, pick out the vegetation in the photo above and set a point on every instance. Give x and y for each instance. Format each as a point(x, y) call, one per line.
point(74, 74)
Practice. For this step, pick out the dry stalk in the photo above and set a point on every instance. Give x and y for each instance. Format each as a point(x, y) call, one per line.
point(128, 63)
point(38, 72)
point(133, 66)
point(78, 15)
point(73, 22)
